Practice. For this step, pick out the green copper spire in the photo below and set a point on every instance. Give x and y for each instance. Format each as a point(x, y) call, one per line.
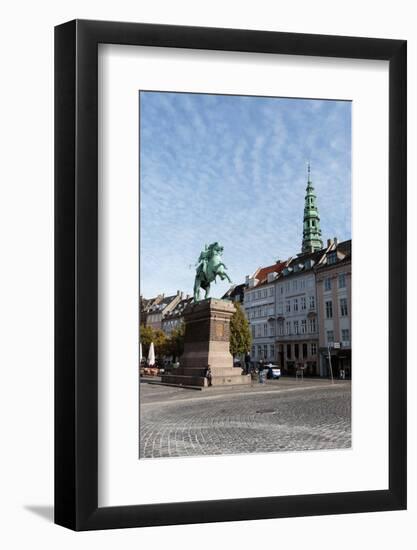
point(311, 227)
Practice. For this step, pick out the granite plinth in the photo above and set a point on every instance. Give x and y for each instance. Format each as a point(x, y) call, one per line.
point(206, 343)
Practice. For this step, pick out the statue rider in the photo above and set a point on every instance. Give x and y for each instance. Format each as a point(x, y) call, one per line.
point(203, 260)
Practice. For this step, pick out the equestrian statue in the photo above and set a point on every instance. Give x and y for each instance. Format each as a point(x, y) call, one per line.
point(209, 266)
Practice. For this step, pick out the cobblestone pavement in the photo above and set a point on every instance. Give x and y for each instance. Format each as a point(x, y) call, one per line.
point(281, 415)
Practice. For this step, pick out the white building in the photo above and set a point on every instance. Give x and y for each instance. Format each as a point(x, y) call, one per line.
point(297, 338)
point(260, 306)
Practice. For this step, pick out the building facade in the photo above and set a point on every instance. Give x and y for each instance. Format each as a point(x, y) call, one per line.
point(297, 341)
point(334, 291)
point(160, 307)
point(259, 305)
point(174, 318)
point(299, 310)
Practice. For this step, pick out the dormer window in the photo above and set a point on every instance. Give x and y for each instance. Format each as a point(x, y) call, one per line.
point(332, 258)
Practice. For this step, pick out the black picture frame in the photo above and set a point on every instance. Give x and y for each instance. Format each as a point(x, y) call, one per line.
point(76, 271)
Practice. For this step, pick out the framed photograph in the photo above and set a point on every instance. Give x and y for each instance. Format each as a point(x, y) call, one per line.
point(230, 253)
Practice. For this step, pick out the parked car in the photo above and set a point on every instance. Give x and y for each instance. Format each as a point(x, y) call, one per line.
point(273, 372)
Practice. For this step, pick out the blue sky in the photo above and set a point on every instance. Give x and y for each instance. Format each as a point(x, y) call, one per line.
point(233, 169)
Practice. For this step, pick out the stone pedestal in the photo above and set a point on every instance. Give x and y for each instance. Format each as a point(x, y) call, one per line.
point(207, 340)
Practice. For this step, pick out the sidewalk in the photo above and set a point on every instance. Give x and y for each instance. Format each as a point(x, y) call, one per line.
point(152, 391)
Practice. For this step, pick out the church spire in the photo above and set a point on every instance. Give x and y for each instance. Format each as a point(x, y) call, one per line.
point(311, 227)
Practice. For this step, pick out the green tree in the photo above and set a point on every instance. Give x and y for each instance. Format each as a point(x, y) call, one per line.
point(146, 336)
point(159, 341)
point(240, 334)
point(175, 343)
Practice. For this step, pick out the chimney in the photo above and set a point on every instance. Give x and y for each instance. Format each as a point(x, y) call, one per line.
point(335, 241)
point(247, 280)
point(329, 242)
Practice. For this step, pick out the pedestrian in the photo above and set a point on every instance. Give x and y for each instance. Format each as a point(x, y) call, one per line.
point(208, 375)
point(247, 362)
point(261, 371)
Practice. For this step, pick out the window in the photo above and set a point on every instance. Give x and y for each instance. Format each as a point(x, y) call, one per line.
point(258, 330)
point(296, 351)
point(312, 325)
point(281, 289)
point(253, 352)
point(303, 326)
point(259, 352)
point(272, 351)
point(280, 328)
point(295, 304)
point(288, 351)
point(280, 308)
point(342, 280)
point(331, 258)
point(303, 303)
point(253, 331)
point(294, 285)
point(343, 307)
point(304, 351)
point(287, 286)
point(288, 327)
point(329, 309)
point(345, 334)
point(265, 351)
point(313, 349)
point(265, 329)
point(327, 283)
point(264, 293)
point(287, 306)
point(271, 329)
point(330, 337)
point(312, 302)
point(295, 327)
point(302, 284)
point(271, 290)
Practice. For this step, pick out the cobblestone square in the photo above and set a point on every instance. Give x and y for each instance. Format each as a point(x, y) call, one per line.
point(281, 415)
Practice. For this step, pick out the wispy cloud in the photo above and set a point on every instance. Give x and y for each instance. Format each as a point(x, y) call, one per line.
point(233, 169)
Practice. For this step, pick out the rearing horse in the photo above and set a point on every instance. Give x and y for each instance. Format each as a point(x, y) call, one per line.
point(209, 266)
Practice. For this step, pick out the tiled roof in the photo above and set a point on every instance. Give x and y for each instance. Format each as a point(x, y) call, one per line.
point(234, 290)
point(262, 273)
point(179, 308)
point(160, 306)
point(345, 247)
point(147, 303)
point(302, 258)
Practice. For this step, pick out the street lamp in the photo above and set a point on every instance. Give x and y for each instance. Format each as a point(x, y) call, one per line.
point(330, 362)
